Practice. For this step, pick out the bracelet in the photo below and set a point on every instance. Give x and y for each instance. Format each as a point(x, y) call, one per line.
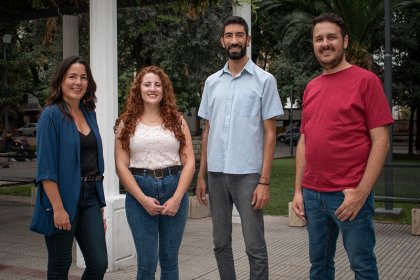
point(176, 200)
point(264, 181)
point(265, 184)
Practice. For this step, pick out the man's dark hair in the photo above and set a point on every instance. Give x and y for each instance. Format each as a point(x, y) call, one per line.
point(333, 18)
point(235, 20)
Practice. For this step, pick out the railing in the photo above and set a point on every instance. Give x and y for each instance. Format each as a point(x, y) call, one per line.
point(405, 185)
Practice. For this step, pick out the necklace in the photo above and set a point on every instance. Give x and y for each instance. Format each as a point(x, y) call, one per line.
point(152, 121)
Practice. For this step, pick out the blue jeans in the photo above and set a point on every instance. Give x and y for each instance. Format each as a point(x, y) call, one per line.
point(224, 191)
point(88, 228)
point(156, 237)
point(323, 227)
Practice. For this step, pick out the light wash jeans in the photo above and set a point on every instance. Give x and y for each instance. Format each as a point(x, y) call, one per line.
point(88, 228)
point(224, 191)
point(156, 237)
point(323, 227)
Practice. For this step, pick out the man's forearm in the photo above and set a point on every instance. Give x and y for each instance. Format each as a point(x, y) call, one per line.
point(376, 159)
point(269, 148)
point(300, 163)
point(203, 151)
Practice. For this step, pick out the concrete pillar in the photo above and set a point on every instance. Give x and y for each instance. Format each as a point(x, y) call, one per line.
point(103, 60)
point(243, 10)
point(70, 35)
point(294, 220)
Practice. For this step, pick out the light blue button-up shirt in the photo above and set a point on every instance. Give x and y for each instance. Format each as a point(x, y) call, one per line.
point(236, 108)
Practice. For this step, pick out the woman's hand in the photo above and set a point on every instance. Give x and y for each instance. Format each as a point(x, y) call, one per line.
point(171, 207)
point(152, 206)
point(104, 219)
point(61, 219)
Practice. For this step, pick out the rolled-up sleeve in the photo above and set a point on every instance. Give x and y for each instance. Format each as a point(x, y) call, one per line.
point(47, 147)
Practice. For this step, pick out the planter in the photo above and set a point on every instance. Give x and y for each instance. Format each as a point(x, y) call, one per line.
point(196, 210)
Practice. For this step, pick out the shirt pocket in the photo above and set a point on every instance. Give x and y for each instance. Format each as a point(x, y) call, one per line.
point(247, 105)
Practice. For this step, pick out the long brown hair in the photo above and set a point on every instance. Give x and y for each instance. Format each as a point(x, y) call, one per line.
point(134, 108)
point(56, 95)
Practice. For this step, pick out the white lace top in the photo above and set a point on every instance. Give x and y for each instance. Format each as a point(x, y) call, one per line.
point(153, 147)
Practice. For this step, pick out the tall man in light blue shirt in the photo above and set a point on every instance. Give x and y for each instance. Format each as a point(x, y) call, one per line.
point(239, 103)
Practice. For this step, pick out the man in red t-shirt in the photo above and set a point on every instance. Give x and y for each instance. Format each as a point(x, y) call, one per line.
point(341, 151)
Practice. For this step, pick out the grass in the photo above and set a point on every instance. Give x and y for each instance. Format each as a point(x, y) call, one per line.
point(404, 218)
point(282, 188)
point(17, 190)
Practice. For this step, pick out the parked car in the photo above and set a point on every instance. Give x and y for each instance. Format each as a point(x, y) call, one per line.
point(294, 137)
point(28, 129)
point(294, 132)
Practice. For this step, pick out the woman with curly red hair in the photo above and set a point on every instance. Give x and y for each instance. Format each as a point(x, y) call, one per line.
point(155, 162)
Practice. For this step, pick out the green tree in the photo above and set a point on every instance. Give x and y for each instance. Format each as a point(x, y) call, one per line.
point(363, 19)
point(183, 42)
point(406, 67)
point(27, 68)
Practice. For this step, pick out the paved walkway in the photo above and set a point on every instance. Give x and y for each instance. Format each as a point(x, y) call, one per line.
point(23, 254)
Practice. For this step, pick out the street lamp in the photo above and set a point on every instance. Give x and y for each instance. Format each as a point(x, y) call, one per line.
point(7, 39)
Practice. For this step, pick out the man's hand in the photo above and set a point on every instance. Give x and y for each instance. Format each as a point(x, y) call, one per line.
point(201, 191)
point(261, 196)
point(298, 206)
point(353, 202)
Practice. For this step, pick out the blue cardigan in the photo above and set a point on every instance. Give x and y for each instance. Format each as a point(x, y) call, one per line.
point(58, 156)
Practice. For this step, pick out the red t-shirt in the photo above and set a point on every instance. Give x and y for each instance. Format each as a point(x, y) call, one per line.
point(339, 109)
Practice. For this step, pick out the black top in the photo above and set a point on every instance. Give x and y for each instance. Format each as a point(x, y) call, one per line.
point(88, 154)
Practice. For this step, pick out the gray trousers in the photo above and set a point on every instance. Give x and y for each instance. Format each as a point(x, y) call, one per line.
point(224, 191)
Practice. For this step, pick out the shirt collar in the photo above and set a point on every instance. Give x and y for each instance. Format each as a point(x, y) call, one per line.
point(249, 67)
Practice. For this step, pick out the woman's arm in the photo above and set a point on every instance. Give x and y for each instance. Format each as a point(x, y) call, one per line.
point(61, 217)
point(122, 161)
point(188, 163)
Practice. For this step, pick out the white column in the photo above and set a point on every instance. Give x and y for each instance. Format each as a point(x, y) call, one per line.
point(243, 10)
point(103, 60)
point(70, 35)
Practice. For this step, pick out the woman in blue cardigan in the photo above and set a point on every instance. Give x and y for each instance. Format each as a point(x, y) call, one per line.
point(70, 173)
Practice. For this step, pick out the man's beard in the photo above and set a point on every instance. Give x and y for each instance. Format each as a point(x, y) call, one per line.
point(236, 55)
point(333, 63)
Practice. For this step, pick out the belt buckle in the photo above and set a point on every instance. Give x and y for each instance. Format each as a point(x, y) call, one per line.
point(161, 173)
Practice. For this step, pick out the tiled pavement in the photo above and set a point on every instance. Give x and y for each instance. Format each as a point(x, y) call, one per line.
point(23, 253)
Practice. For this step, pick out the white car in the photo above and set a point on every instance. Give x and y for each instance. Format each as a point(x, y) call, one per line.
point(28, 129)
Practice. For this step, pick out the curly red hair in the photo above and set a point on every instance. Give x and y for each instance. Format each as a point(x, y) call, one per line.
point(134, 108)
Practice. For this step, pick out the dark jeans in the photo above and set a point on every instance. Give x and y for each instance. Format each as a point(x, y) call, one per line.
point(88, 228)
